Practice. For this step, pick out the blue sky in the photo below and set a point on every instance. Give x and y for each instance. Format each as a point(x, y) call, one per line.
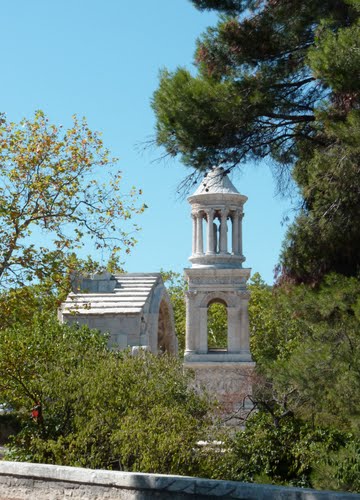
point(101, 59)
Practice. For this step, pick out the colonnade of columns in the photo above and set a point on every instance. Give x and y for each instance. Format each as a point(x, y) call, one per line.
point(217, 238)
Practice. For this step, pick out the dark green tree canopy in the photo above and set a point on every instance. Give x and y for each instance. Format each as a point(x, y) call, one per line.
point(259, 82)
point(279, 79)
point(227, 6)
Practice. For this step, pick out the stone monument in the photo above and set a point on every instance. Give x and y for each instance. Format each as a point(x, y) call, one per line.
point(134, 308)
point(217, 275)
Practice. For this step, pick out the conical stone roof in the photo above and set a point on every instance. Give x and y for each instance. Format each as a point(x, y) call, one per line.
point(216, 181)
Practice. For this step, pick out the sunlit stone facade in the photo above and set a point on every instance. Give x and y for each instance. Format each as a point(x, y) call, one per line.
point(217, 275)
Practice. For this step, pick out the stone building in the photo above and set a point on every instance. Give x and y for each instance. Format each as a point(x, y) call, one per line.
point(133, 308)
point(217, 276)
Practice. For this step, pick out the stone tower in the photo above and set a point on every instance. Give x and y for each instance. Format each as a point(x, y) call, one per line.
point(217, 276)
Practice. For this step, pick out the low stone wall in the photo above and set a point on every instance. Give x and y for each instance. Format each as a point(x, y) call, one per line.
point(20, 481)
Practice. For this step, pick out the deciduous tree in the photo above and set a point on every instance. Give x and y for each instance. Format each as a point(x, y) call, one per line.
point(98, 408)
point(59, 190)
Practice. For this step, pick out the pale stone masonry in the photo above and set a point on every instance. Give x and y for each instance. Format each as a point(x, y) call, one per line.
point(134, 308)
point(217, 203)
point(217, 275)
point(24, 481)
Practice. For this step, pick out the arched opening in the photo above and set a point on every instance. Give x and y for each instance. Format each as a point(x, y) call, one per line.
point(217, 326)
point(164, 329)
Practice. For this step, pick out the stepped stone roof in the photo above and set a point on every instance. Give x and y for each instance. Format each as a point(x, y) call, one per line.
point(106, 294)
point(216, 181)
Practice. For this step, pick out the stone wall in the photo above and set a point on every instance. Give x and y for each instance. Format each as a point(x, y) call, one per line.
point(20, 481)
point(229, 383)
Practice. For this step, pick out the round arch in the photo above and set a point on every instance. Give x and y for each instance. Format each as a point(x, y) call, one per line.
point(217, 326)
point(162, 332)
point(225, 298)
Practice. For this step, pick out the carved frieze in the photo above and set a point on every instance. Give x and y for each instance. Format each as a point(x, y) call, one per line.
point(218, 281)
point(225, 381)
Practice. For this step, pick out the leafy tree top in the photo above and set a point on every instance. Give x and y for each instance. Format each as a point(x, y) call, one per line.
point(49, 183)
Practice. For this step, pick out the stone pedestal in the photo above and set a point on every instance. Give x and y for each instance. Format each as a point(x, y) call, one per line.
point(229, 383)
point(226, 374)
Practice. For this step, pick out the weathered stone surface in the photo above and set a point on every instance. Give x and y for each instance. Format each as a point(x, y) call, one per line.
point(230, 382)
point(24, 481)
point(217, 275)
point(134, 308)
point(219, 204)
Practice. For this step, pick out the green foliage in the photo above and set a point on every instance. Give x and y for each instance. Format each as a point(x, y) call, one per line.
point(9, 425)
point(325, 236)
point(105, 409)
point(281, 80)
point(306, 343)
point(98, 408)
point(20, 305)
point(335, 57)
point(257, 84)
point(217, 326)
point(48, 184)
point(274, 326)
point(31, 354)
point(176, 287)
point(181, 128)
point(323, 368)
point(281, 452)
point(228, 6)
point(339, 470)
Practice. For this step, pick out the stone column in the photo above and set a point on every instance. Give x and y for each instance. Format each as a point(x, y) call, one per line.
point(190, 337)
point(199, 234)
point(244, 326)
point(235, 232)
point(223, 231)
point(194, 233)
point(203, 334)
point(240, 234)
point(210, 232)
